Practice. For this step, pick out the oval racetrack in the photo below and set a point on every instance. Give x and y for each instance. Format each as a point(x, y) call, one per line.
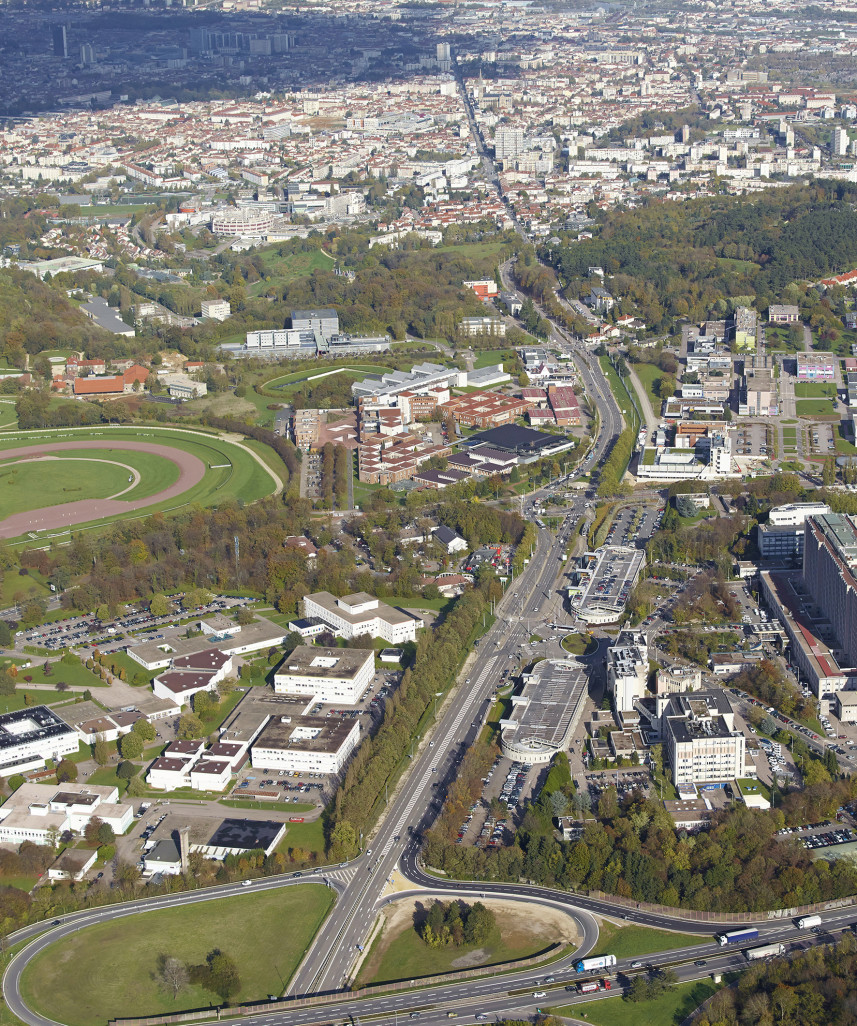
point(48, 518)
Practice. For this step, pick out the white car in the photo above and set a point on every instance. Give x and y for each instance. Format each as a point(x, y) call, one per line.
point(246, 883)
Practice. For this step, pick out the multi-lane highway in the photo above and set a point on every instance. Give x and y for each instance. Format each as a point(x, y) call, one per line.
point(362, 884)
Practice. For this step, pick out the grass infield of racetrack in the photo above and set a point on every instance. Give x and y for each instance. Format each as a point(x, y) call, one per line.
point(243, 478)
point(87, 474)
point(109, 970)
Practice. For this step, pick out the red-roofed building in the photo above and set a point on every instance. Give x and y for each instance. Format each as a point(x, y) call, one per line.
point(109, 384)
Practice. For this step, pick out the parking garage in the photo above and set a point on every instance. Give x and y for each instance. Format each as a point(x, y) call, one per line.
point(604, 583)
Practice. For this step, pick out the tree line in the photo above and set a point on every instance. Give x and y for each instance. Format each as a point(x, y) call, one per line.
point(632, 849)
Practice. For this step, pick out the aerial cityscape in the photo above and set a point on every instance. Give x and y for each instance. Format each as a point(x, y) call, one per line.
point(428, 512)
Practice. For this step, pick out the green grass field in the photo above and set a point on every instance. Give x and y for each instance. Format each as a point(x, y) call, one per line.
point(232, 472)
point(648, 374)
point(106, 971)
point(489, 357)
point(15, 587)
point(815, 390)
point(32, 485)
point(74, 674)
point(309, 836)
point(579, 644)
point(670, 1009)
point(631, 941)
point(8, 417)
point(814, 407)
point(84, 474)
point(402, 955)
point(289, 383)
point(285, 269)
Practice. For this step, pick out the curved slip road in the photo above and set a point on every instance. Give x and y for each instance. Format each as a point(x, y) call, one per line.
point(67, 514)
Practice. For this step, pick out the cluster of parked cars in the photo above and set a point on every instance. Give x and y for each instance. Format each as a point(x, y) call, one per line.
point(828, 839)
point(513, 785)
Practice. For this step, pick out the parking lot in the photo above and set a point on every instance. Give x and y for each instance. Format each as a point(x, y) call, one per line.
point(111, 635)
point(635, 525)
point(753, 440)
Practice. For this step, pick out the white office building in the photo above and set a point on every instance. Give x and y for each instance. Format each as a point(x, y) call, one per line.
point(627, 670)
point(700, 739)
point(42, 812)
point(314, 744)
point(29, 737)
point(335, 676)
point(361, 614)
point(795, 513)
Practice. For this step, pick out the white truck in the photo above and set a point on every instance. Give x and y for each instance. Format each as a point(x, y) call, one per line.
point(588, 965)
point(807, 922)
point(765, 951)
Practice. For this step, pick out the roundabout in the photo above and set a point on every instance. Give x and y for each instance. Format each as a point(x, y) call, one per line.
point(53, 481)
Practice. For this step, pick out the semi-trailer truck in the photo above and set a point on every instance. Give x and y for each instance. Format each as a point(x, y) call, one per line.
point(588, 965)
point(765, 951)
point(807, 922)
point(737, 936)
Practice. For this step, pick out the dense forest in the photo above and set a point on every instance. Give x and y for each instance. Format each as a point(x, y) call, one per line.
point(687, 260)
point(631, 848)
point(817, 987)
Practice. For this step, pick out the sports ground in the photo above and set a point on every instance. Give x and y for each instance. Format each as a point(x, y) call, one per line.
point(54, 480)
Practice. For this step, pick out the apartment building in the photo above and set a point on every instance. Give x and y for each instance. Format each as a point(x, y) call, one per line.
point(830, 575)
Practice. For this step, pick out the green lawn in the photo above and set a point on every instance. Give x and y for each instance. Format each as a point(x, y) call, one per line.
point(24, 698)
point(309, 836)
point(74, 674)
point(813, 407)
point(815, 390)
point(630, 941)
point(670, 1009)
point(122, 955)
point(488, 357)
point(648, 374)
point(579, 644)
point(105, 776)
point(739, 266)
point(32, 485)
point(844, 446)
point(404, 956)
point(15, 587)
point(8, 416)
point(134, 672)
point(290, 267)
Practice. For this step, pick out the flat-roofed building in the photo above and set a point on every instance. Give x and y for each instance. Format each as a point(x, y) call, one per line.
point(36, 812)
point(28, 737)
point(830, 575)
point(361, 614)
point(816, 366)
point(545, 713)
point(627, 669)
point(796, 513)
point(700, 739)
point(314, 744)
point(783, 314)
point(846, 706)
point(338, 676)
